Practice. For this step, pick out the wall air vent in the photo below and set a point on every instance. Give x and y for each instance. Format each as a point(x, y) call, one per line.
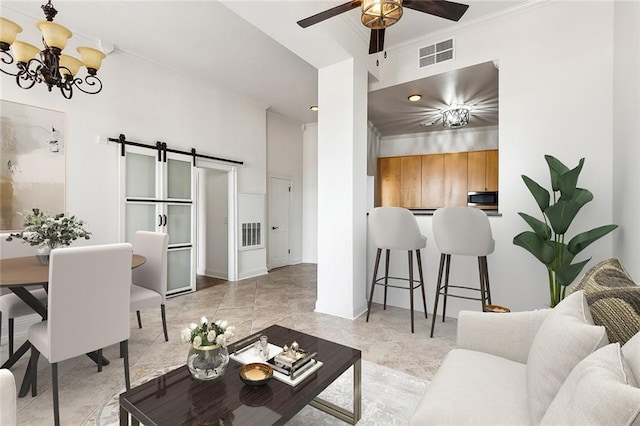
point(436, 53)
point(251, 235)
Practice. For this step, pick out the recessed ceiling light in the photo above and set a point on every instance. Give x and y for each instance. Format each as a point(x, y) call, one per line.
point(414, 98)
point(314, 108)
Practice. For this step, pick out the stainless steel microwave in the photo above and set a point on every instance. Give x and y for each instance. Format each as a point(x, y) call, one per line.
point(482, 199)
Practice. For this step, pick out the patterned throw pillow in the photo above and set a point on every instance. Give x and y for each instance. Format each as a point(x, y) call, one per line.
point(614, 299)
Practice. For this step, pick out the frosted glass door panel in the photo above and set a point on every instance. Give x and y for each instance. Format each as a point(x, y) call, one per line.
point(179, 223)
point(141, 175)
point(140, 217)
point(178, 269)
point(179, 179)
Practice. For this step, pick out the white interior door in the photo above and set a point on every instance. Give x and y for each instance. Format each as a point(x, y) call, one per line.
point(279, 212)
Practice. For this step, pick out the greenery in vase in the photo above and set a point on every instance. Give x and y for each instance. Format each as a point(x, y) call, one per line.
point(547, 240)
point(208, 333)
point(42, 229)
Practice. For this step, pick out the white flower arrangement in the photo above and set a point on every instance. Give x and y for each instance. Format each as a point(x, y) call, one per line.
point(212, 333)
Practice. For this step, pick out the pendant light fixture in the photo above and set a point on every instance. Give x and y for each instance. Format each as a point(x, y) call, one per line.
point(52, 67)
point(455, 116)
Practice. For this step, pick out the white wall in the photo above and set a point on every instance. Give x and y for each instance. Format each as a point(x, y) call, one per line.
point(147, 104)
point(284, 155)
point(310, 193)
point(459, 140)
point(626, 133)
point(556, 97)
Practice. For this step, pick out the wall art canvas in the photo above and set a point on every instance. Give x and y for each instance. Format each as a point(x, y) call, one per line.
point(32, 162)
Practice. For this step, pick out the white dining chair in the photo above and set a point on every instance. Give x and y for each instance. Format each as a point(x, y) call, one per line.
point(11, 306)
point(8, 401)
point(75, 325)
point(149, 286)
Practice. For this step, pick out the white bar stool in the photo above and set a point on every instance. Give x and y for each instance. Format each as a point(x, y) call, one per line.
point(463, 231)
point(395, 228)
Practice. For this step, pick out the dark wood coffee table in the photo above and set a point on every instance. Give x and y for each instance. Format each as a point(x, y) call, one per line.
point(176, 398)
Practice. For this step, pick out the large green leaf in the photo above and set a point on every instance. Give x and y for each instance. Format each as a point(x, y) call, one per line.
point(568, 181)
point(567, 273)
point(561, 214)
point(581, 196)
point(538, 226)
point(582, 240)
point(556, 168)
point(563, 255)
point(535, 245)
point(540, 194)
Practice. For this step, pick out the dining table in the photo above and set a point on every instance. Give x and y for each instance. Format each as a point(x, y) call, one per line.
point(18, 274)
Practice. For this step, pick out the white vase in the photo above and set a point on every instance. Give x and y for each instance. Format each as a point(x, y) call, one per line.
point(42, 254)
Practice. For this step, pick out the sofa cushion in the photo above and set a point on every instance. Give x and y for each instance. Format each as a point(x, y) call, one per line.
point(599, 391)
point(631, 353)
point(473, 387)
point(614, 299)
point(565, 337)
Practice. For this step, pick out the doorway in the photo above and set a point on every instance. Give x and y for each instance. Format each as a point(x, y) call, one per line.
point(279, 221)
point(216, 221)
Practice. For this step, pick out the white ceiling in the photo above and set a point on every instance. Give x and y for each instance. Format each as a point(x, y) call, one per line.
point(210, 41)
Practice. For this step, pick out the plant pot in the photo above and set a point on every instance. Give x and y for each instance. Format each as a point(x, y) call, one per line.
point(207, 362)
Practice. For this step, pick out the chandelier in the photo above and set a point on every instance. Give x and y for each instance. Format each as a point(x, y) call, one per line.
point(455, 116)
point(379, 14)
point(52, 67)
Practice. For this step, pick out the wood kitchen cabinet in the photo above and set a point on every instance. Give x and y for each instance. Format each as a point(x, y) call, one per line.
point(482, 170)
point(411, 182)
point(455, 179)
point(432, 181)
point(435, 180)
point(388, 181)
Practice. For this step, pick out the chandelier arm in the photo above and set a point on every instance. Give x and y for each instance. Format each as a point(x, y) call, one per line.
point(91, 81)
point(6, 58)
point(27, 77)
point(66, 90)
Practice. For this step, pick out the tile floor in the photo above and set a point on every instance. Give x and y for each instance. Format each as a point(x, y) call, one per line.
point(285, 296)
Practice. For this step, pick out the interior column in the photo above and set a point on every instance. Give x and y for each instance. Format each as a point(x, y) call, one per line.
point(342, 189)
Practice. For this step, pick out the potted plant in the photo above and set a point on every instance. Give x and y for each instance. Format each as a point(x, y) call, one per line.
point(208, 356)
point(48, 232)
point(546, 241)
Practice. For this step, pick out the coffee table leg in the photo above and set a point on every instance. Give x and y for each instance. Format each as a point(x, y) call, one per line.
point(345, 415)
point(124, 418)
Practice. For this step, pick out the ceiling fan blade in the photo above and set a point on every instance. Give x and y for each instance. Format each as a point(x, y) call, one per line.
point(329, 13)
point(376, 42)
point(443, 9)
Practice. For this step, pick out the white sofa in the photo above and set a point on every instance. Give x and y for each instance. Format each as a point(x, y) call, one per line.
point(551, 367)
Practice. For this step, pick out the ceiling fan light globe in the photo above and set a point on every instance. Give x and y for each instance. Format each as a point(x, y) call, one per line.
point(379, 14)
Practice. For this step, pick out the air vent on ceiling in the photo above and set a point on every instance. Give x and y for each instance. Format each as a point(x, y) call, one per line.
point(436, 53)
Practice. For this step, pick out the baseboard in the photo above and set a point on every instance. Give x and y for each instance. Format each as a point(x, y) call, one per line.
point(20, 328)
point(252, 274)
point(212, 273)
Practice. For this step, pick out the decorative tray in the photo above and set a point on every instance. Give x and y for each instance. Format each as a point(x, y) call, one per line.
point(247, 355)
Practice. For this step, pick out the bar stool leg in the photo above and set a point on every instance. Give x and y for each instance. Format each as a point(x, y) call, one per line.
point(446, 285)
point(438, 287)
point(424, 297)
point(410, 253)
point(373, 281)
point(483, 293)
point(485, 268)
point(386, 278)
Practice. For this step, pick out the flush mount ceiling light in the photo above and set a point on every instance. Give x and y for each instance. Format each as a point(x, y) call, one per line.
point(414, 98)
point(455, 116)
point(314, 108)
point(52, 68)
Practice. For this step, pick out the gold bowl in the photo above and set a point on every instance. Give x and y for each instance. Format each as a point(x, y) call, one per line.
point(256, 373)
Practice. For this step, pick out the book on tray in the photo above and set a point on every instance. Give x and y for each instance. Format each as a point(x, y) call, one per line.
point(292, 363)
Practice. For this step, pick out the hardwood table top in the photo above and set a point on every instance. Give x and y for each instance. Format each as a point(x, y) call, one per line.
point(22, 271)
point(176, 398)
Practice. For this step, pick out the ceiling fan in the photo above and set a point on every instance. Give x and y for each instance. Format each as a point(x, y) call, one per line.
point(380, 14)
